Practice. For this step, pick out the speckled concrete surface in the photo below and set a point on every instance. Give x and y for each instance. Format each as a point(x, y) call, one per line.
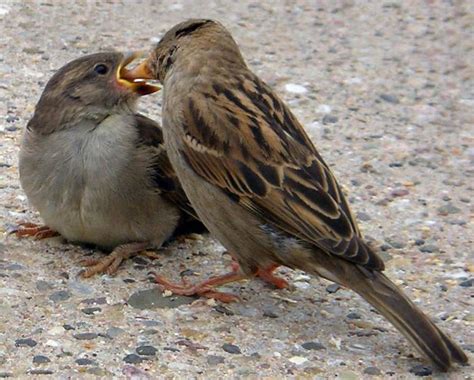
point(385, 89)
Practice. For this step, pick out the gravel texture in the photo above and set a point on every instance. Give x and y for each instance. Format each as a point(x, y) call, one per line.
point(385, 89)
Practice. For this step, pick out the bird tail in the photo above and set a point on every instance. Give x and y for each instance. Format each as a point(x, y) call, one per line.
point(389, 300)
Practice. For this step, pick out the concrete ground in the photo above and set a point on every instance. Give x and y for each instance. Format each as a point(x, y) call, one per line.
point(385, 89)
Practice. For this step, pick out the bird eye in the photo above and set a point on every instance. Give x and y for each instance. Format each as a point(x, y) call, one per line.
point(101, 69)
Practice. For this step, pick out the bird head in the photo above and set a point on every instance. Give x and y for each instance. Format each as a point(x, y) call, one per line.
point(90, 87)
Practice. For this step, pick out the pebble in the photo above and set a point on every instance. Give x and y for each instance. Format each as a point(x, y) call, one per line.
point(421, 370)
point(60, 295)
point(372, 371)
point(419, 242)
point(348, 375)
point(269, 312)
point(91, 310)
point(353, 315)
point(4, 375)
point(25, 342)
point(333, 288)
point(330, 119)
point(448, 209)
point(298, 360)
point(113, 332)
point(132, 359)
point(40, 372)
point(85, 336)
point(68, 327)
point(399, 192)
point(146, 350)
point(85, 361)
point(429, 248)
point(468, 347)
point(363, 216)
point(223, 310)
point(153, 299)
point(389, 98)
point(313, 346)
point(295, 88)
point(467, 283)
point(41, 359)
point(215, 359)
point(231, 348)
point(397, 244)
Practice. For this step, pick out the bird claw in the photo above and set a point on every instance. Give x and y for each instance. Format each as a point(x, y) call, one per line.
point(27, 229)
point(204, 289)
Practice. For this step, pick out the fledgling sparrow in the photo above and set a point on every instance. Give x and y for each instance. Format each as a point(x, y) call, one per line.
point(258, 183)
point(97, 171)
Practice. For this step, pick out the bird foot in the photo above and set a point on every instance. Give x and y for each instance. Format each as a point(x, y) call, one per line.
point(110, 263)
point(36, 231)
point(205, 288)
point(265, 274)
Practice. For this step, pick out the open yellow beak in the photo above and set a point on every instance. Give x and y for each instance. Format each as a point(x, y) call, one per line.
point(137, 79)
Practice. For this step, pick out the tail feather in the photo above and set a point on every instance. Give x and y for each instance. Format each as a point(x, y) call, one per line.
point(389, 300)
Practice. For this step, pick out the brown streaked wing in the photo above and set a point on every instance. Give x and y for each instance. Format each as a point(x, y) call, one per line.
point(244, 140)
point(162, 175)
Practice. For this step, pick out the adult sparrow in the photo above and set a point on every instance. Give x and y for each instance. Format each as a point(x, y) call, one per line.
point(97, 171)
point(258, 183)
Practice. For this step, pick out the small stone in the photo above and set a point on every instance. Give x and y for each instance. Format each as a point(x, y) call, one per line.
point(399, 192)
point(330, 119)
point(429, 248)
point(419, 242)
point(40, 372)
point(91, 310)
point(372, 371)
point(223, 310)
point(448, 209)
point(146, 350)
point(152, 299)
point(353, 315)
point(85, 336)
point(95, 301)
point(363, 216)
point(113, 332)
point(397, 244)
point(467, 283)
point(4, 375)
point(132, 359)
point(313, 346)
point(215, 359)
point(40, 359)
point(25, 342)
point(42, 285)
point(421, 370)
point(468, 347)
point(269, 313)
point(85, 361)
point(295, 88)
point(389, 98)
point(333, 288)
point(465, 200)
point(68, 327)
point(395, 164)
point(298, 360)
point(60, 295)
point(231, 348)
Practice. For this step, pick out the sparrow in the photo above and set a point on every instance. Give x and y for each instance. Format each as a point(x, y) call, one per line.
point(258, 183)
point(95, 169)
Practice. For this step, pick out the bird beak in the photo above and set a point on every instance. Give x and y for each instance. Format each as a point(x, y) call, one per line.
point(136, 79)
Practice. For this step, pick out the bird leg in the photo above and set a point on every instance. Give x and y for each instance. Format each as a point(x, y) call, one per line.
point(205, 288)
point(110, 263)
point(38, 232)
point(265, 274)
